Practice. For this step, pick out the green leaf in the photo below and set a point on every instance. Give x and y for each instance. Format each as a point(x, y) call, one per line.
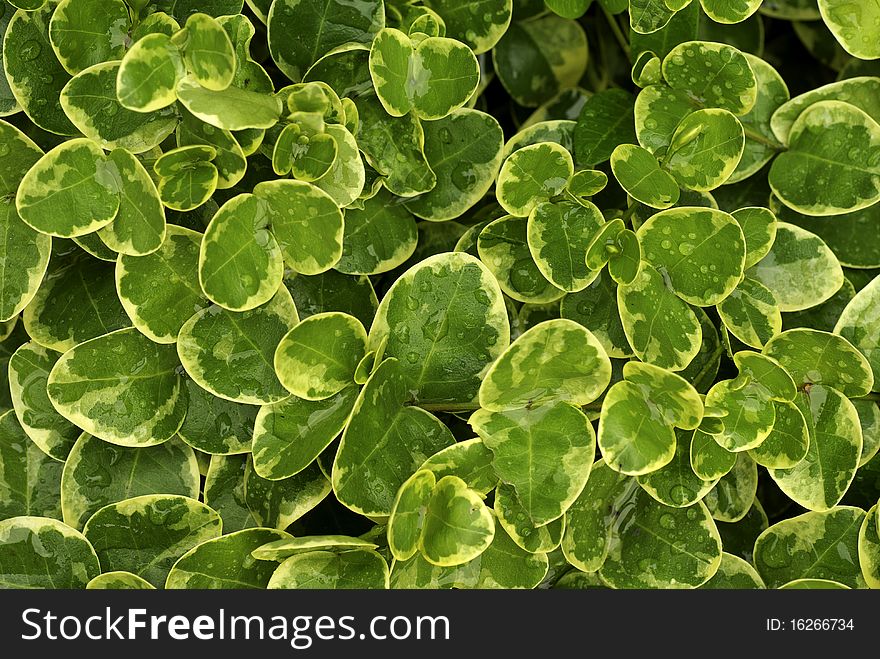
point(700, 252)
point(751, 313)
point(445, 321)
point(119, 580)
point(333, 291)
point(25, 254)
point(148, 74)
point(533, 174)
point(624, 265)
point(759, 229)
point(145, 535)
point(38, 552)
point(384, 443)
point(561, 132)
point(835, 147)
point(503, 247)
point(734, 573)
point(853, 25)
point(464, 151)
point(33, 73)
point(159, 291)
point(357, 569)
point(713, 74)
point(589, 519)
point(815, 545)
point(305, 221)
point(318, 357)
point(98, 473)
point(139, 226)
point(56, 320)
point(513, 518)
point(647, 16)
point(377, 238)
point(559, 235)
point(231, 108)
point(480, 29)
point(216, 426)
point(207, 51)
point(279, 550)
point(749, 414)
point(788, 441)
point(289, 435)
point(861, 91)
point(710, 460)
point(502, 565)
point(860, 323)
point(88, 32)
point(559, 443)
point(30, 480)
point(190, 187)
point(394, 147)
point(799, 270)
point(814, 357)
point(636, 433)
point(89, 100)
point(278, 504)
point(230, 353)
point(819, 481)
point(77, 175)
point(869, 419)
point(705, 149)
point(536, 59)
point(405, 525)
point(240, 261)
point(869, 548)
point(470, 460)
point(660, 327)
point(29, 369)
point(761, 144)
point(639, 173)
point(225, 562)
point(321, 25)
point(230, 159)
point(120, 387)
point(731, 498)
point(458, 526)
point(730, 11)
point(595, 308)
point(676, 484)
point(655, 546)
point(431, 79)
point(344, 181)
point(557, 360)
point(224, 491)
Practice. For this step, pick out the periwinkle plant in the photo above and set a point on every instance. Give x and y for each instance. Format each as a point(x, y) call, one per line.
point(432, 294)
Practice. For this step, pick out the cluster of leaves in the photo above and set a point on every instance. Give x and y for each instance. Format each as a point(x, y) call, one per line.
point(282, 307)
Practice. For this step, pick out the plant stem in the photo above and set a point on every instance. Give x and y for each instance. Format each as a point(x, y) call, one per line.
point(873, 397)
point(760, 139)
point(618, 33)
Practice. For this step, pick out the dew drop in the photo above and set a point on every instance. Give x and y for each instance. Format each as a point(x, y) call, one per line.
point(30, 50)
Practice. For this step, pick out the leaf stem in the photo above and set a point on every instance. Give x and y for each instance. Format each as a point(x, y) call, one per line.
point(760, 139)
point(873, 397)
point(617, 32)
